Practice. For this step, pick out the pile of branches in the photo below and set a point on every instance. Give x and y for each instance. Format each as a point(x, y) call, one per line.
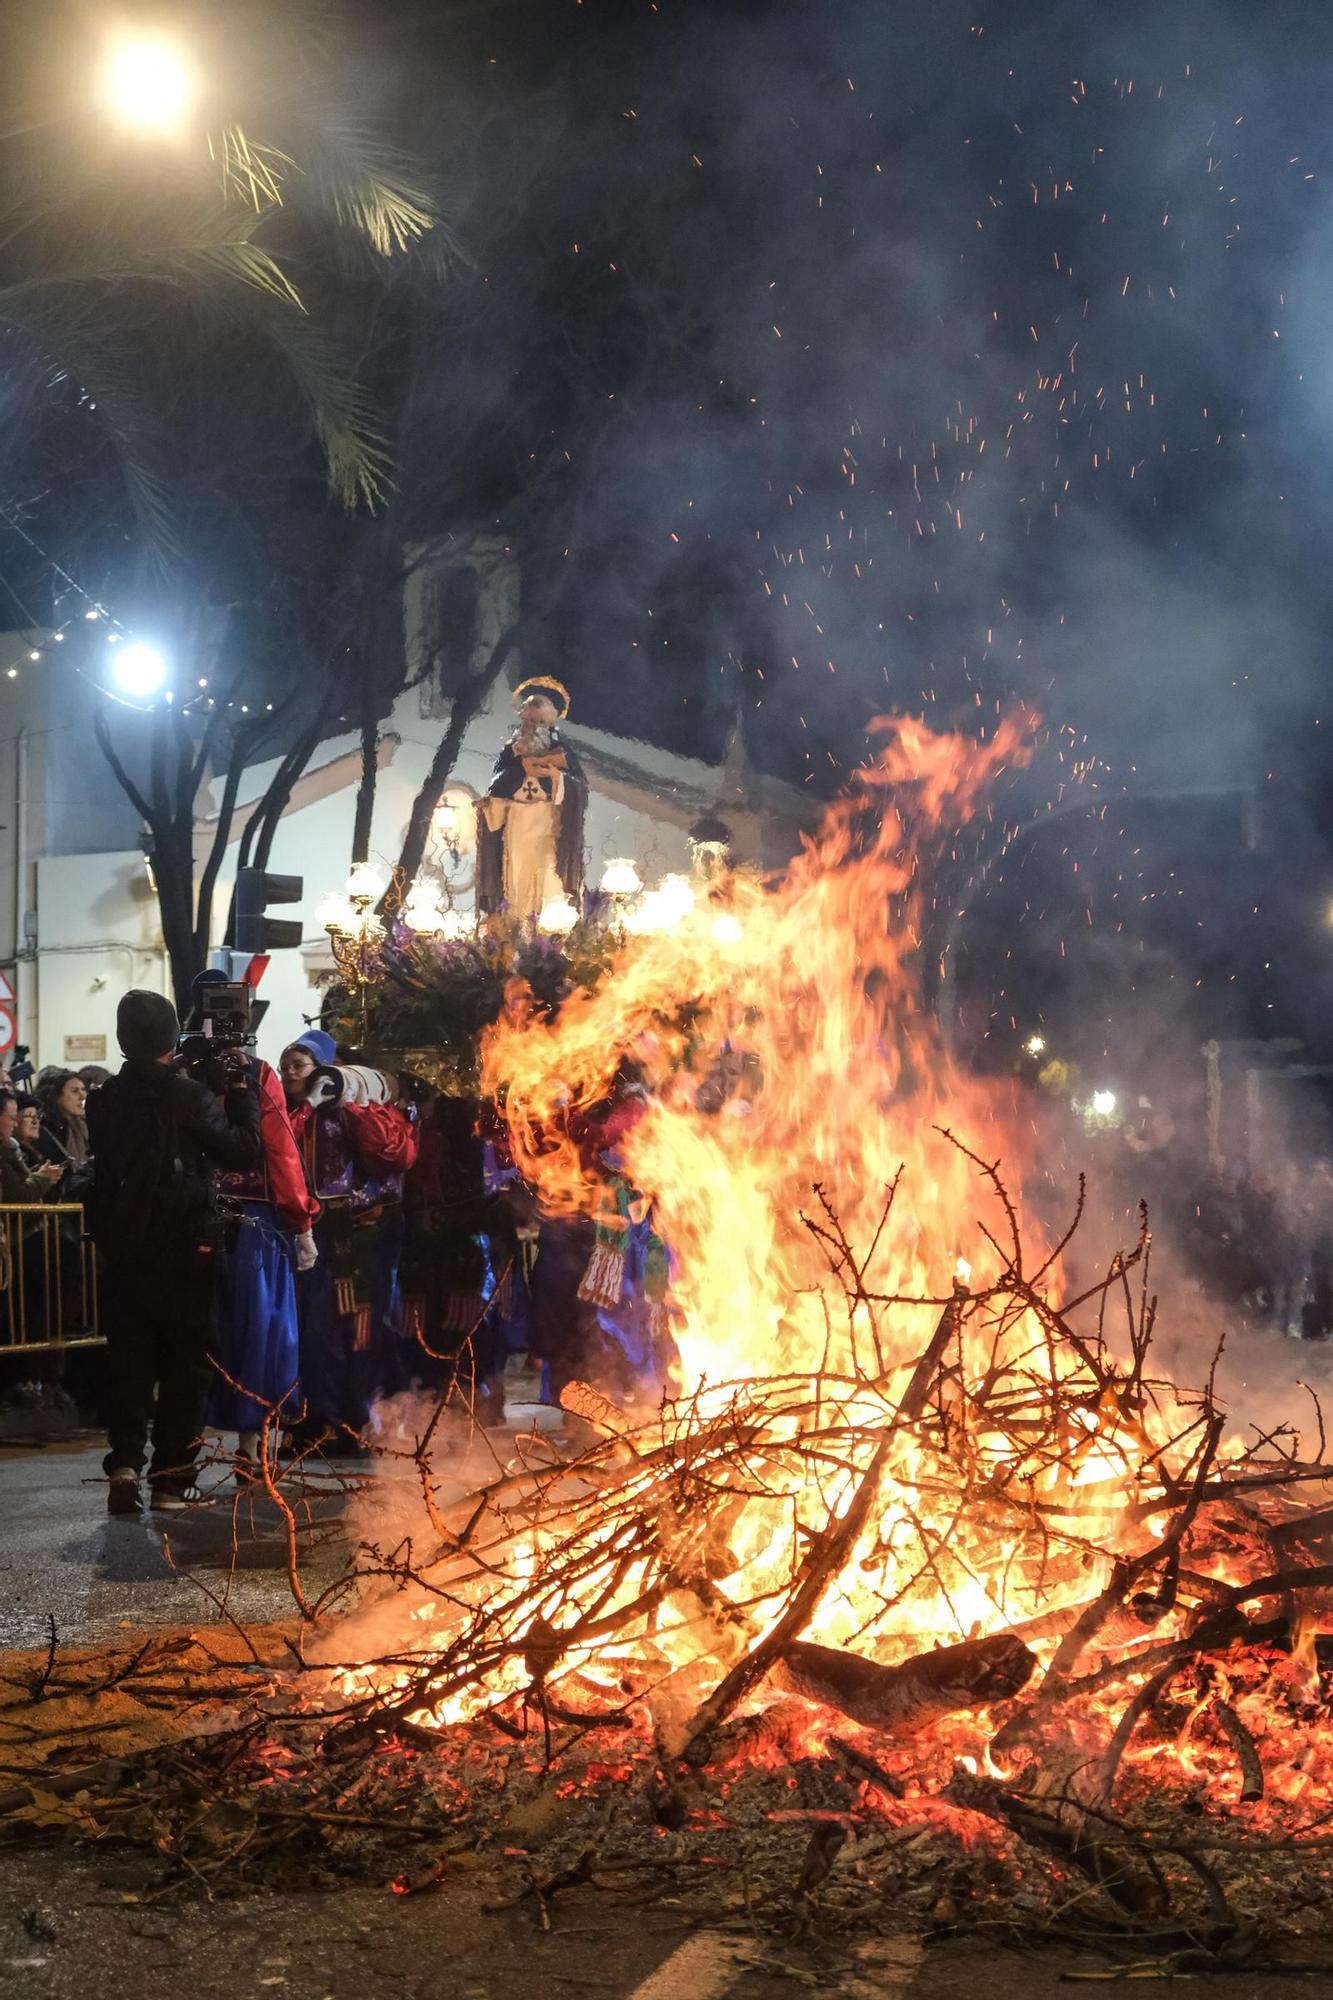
point(1169, 1646)
point(1129, 1743)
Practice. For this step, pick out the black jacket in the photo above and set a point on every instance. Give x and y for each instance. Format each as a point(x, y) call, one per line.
point(156, 1137)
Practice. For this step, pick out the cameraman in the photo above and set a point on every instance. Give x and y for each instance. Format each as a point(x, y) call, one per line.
point(157, 1137)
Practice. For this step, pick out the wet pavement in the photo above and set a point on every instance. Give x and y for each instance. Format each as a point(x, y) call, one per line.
point(63, 1557)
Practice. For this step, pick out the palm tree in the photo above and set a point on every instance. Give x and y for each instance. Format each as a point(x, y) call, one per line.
point(113, 250)
point(191, 320)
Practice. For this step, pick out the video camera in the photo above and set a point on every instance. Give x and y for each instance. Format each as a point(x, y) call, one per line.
point(226, 1014)
point(223, 1024)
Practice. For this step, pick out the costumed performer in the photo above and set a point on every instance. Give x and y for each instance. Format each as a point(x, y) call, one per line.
point(355, 1155)
point(272, 1215)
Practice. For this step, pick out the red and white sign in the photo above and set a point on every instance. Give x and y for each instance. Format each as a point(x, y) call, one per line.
point(6, 990)
point(9, 1032)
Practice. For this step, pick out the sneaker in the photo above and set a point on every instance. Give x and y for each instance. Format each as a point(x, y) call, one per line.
point(174, 1499)
point(122, 1493)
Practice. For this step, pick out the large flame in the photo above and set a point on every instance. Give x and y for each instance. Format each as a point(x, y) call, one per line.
point(825, 1176)
point(794, 1072)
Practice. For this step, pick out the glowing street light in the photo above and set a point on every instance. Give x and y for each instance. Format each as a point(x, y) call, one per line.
point(149, 86)
point(139, 671)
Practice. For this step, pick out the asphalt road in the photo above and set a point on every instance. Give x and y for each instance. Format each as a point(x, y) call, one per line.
point(61, 1555)
point(71, 1930)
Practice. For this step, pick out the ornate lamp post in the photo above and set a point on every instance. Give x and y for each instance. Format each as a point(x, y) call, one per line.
point(355, 932)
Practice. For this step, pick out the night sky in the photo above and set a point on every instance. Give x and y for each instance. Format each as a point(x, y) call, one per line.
point(825, 359)
point(1001, 376)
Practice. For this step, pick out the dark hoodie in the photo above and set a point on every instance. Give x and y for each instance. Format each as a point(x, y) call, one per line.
point(157, 1136)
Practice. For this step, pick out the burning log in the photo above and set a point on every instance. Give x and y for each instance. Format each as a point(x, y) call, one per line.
point(910, 1696)
point(1247, 1755)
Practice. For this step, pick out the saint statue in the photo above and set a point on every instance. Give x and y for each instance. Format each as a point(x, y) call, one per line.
point(530, 823)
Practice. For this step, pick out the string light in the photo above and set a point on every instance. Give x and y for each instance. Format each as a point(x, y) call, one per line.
point(142, 680)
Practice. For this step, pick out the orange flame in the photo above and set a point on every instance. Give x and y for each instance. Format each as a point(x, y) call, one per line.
point(793, 1069)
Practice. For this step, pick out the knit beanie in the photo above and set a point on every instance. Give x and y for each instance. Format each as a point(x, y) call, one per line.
point(146, 1025)
point(321, 1046)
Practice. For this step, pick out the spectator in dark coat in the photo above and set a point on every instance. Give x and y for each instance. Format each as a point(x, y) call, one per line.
point(157, 1137)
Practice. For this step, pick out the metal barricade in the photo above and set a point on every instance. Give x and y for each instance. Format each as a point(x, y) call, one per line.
point(48, 1278)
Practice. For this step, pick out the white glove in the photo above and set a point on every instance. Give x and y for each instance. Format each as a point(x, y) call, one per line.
point(307, 1256)
point(325, 1087)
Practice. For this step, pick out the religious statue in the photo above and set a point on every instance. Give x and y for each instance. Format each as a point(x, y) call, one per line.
point(530, 823)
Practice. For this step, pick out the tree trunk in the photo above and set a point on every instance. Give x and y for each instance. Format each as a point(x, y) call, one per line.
point(466, 704)
point(203, 920)
point(175, 892)
point(365, 791)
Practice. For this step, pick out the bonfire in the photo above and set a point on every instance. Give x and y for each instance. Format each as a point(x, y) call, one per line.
point(918, 1548)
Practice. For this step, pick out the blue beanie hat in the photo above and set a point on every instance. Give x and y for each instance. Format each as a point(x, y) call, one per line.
point(321, 1046)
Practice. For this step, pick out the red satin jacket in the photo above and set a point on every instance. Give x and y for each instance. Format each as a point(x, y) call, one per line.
point(280, 1177)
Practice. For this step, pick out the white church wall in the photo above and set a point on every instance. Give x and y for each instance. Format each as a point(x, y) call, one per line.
point(315, 843)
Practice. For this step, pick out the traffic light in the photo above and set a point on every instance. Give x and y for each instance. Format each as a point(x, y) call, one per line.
point(255, 930)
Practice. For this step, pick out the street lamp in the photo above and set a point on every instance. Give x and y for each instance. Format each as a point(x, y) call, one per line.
point(139, 670)
point(355, 932)
point(149, 86)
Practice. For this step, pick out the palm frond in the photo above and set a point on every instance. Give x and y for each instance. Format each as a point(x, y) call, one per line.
point(111, 244)
point(342, 413)
point(253, 172)
point(73, 350)
point(223, 244)
point(372, 188)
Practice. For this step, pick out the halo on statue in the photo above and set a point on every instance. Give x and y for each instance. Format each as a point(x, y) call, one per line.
point(542, 684)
